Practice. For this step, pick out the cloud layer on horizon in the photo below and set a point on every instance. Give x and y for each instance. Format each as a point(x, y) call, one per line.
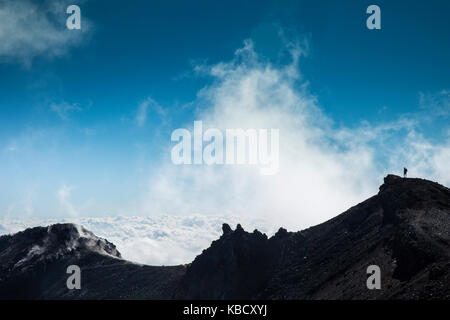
point(159, 240)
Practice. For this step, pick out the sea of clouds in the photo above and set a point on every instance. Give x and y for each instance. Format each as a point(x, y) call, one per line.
point(161, 240)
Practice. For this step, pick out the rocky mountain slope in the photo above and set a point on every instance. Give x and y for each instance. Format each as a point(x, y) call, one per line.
point(33, 265)
point(404, 229)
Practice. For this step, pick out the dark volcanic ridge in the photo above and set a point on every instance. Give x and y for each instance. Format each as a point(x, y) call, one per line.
point(404, 229)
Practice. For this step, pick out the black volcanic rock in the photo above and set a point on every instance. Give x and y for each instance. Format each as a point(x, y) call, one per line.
point(404, 229)
point(236, 266)
point(226, 229)
point(33, 265)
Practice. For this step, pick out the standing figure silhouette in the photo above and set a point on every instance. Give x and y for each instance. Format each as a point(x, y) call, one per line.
point(405, 171)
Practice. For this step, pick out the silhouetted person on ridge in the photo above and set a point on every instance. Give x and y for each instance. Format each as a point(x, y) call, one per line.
point(405, 171)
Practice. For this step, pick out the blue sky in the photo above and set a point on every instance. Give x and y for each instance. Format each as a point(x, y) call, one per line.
point(72, 144)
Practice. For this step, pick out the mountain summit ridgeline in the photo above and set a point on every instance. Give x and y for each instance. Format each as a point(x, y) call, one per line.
point(404, 230)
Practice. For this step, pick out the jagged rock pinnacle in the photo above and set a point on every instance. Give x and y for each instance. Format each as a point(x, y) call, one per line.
point(226, 228)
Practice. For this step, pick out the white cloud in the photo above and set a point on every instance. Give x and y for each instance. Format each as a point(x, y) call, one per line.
point(64, 194)
point(426, 159)
point(29, 29)
point(437, 104)
point(141, 116)
point(64, 109)
point(324, 170)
